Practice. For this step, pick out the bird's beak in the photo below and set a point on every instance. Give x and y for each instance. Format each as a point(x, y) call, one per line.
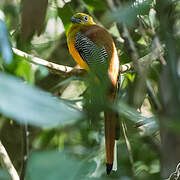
point(75, 20)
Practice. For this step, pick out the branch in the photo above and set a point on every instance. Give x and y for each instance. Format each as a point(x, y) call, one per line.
point(7, 163)
point(54, 68)
point(71, 71)
point(131, 159)
point(42, 62)
point(144, 62)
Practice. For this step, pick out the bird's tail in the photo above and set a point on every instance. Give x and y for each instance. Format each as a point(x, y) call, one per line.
point(111, 126)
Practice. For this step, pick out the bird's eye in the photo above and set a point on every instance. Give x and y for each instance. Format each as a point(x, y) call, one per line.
point(85, 18)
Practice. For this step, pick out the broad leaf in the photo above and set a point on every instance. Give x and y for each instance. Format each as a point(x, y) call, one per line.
point(128, 13)
point(57, 165)
point(4, 175)
point(65, 13)
point(28, 104)
point(149, 123)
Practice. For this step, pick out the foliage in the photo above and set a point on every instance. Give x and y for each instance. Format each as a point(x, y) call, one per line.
point(63, 123)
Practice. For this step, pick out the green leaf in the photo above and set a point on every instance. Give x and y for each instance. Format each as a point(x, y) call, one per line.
point(24, 70)
point(95, 4)
point(42, 72)
point(4, 175)
point(129, 112)
point(28, 104)
point(139, 167)
point(66, 81)
point(129, 12)
point(65, 13)
point(154, 167)
point(57, 165)
point(150, 124)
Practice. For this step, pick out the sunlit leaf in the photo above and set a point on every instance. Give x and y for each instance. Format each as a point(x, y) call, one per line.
point(95, 4)
point(74, 90)
point(25, 103)
point(155, 167)
point(139, 167)
point(24, 70)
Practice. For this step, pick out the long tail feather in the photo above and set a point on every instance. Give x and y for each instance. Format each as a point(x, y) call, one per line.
point(114, 168)
point(110, 127)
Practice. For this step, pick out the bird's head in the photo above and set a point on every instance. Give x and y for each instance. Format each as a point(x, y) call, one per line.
point(82, 18)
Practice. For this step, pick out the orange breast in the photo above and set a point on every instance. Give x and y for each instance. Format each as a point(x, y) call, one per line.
point(76, 55)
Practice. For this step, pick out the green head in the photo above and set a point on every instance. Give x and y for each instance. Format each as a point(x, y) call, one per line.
point(82, 18)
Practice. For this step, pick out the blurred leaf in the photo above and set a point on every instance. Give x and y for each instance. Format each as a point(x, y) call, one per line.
point(28, 104)
point(129, 112)
point(5, 48)
point(4, 175)
point(143, 8)
point(125, 58)
point(139, 167)
point(57, 165)
point(128, 13)
point(33, 16)
point(42, 72)
point(154, 167)
point(65, 13)
point(66, 81)
point(155, 70)
point(114, 31)
point(96, 4)
point(74, 90)
point(150, 124)
point(24, 70)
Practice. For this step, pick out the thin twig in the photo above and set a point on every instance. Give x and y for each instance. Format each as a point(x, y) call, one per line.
point(176, 174)
point(7, 163)
point(128, 145)
point(25, 150)
point(153, 99)
point(159, 47)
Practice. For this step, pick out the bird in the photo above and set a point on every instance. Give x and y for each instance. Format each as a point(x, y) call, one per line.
point(93, 49)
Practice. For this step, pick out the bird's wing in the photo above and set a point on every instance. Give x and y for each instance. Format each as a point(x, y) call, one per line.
point(94, 44)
